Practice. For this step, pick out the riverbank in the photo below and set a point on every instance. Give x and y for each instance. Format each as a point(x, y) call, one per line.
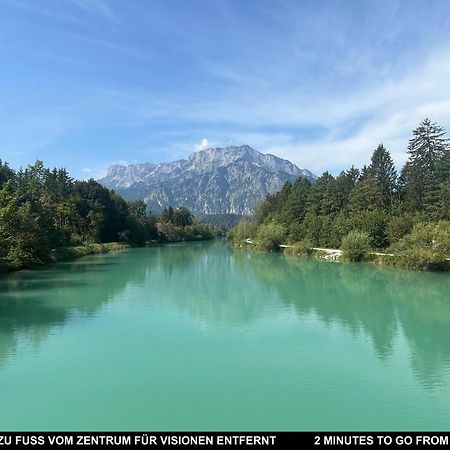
point(422, 262)
point(64, 254)
point(68, 254)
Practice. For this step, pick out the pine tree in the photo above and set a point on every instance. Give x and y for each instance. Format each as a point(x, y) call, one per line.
point(437, 198)
point(425, 149)
point(442, 173)
point(345, 183)
point(382, 169)
point(167, 215)
point(366, 196)
point(6, 173)
point(324, 198)
point(296, 204)
point(182, 217)
point(427, 146)
point(364, 173)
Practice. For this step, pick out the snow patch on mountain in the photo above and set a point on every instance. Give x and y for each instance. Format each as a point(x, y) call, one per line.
point(211, 181)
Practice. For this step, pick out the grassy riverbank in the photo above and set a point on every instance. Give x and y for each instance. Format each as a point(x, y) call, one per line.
point(67, 254)
point(405, 261)
point(63, 254)
point(427, 247)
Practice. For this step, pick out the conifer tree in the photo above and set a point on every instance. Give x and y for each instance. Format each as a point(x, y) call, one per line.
point(437, 198)
point(366, 196)
point(382, 169)
point(425, 150)
point(427, 146)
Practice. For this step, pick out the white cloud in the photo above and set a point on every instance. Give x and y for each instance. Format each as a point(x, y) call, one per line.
point(87, 169)
point(326, 130)
point(203, 145)
point(352, 126)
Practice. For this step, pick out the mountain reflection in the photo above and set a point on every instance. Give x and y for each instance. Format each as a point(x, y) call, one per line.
point(213, 284)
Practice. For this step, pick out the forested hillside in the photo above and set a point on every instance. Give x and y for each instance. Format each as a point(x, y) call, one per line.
point(43, 211)
point(369, 208)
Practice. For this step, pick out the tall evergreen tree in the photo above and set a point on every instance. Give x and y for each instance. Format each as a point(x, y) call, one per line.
point(425, 150)
point(182, 217)
point(442, 173)
point(366, 196)
point(437, 198)
point(382, 169)
point(324, 198)
point(427, 146)
point(6, 173)
point(364, 173)
point(167, 215)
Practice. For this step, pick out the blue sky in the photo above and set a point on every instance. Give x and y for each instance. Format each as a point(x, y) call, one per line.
point(87, 83)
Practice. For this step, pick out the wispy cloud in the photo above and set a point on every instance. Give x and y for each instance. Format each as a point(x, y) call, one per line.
point(352, 125)
point(97, 7)
point(318, 84)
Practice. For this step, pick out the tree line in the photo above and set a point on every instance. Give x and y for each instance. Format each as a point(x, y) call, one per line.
point(43, 210)
point(369, 208)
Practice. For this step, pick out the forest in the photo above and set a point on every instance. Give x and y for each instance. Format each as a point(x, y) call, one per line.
point(366, 211)
point(46, 216)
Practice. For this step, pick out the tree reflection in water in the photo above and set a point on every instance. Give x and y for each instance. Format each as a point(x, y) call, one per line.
point(216, 284)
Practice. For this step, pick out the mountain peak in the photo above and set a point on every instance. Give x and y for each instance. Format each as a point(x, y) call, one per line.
point(215, 180)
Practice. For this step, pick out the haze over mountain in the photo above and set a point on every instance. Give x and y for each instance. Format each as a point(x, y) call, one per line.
point(230, 180)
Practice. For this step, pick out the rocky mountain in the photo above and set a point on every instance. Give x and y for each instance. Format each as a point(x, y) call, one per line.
point(227, 180)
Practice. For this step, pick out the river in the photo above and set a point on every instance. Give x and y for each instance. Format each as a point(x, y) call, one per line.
point(201, 336)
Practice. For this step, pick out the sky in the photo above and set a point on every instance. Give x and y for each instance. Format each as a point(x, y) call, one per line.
point(88, 83)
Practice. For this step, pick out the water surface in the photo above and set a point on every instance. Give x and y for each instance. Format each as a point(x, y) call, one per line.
point(203, 337)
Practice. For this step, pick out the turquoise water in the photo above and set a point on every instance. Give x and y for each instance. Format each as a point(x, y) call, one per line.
point(203, 337)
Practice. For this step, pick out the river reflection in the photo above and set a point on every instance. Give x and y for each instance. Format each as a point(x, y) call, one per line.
point(216, 285)
point(379, 302)
point(33, 303)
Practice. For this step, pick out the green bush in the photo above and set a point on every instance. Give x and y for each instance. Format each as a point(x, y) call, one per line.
point(69, 253)
point(242, 231)
point(301, 248)
point(426, 247)
point(399, 227)
point(374, 223)
point(198, 232)
point(296, 232)
point(169, 232)
point(30, 246)
point(356, 246)
point(270, 236)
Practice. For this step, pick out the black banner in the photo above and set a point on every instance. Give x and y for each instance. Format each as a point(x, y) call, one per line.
point(222, 439)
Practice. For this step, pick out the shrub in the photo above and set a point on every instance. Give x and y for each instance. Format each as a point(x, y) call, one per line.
point(426, 247)
point(399, 227)
point(198, 231)
point(374, 223)
point(242, 231)
point(356, 246)
point(270, 236)
point(301, 248)
point(170, 232)
point(30, 246)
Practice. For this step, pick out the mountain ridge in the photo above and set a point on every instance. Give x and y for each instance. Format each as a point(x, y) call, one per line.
point(221, 180)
